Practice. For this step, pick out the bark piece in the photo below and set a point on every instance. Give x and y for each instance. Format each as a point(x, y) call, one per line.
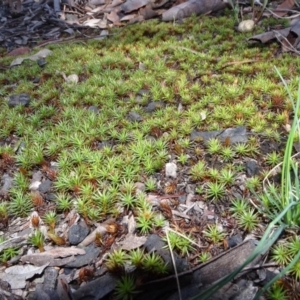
point(194, 281)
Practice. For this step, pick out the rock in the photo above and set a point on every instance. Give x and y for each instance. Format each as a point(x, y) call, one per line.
point(46, 291)
point(246, 26)
point(134, 117)
point(50, 197)
point(152, 106)
point(50, 276)
point(93, 109)
point(21, 99)
point(171, 170)
point(236, 135)
point(45, 186)
point(41, 62)
point(234, 240)
point(252, 168)
point(182, 199)
point(143, 92)
point(34, 186)
point(77, 234)
point(141, 96)
point(103, 144)
point(7, 183)
point(91, 253)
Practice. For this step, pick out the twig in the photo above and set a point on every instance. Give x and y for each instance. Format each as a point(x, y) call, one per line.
point(240, 62)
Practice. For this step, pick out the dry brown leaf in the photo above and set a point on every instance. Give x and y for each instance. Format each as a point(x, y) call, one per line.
point(113, 17)
point(132, 5)
point(132, 242)
point(283, 8)
point(19, 51)
point(166, 209)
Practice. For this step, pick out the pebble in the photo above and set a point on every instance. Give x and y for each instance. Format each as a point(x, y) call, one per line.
point(7, 183)
point(171, 170)
point(77, 234)
point(252, 167)
point(234, 240)
point(152, 106)
point(134, 117)
point(246, 26)
point(45, 186)
point(20, 99)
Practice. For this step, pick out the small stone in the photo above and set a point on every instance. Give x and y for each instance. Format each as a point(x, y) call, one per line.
point(21, 99)
point(252, 167)
point(41, 62)
point(50, 276)
point(34, 185)
point(101, 145)
point(93, 109)
point(134, 117)
point(50, 197)
point(152, 106)
point(246, 26)
point(171, 170)
point(234, 240)
point(77, 234)
point(182, 199)
point(7, 183)
point(45, 186)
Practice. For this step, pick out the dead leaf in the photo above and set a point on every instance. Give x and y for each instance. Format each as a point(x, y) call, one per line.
point(131, 5)
point(19, 51)
point(128, 17)
point(166, 209)
point(16, 276)
point(147, 12)
point(283, 8)
point(113, 17)
point(132, 242)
